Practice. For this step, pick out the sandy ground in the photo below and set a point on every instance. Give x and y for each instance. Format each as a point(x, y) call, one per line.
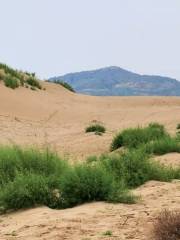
point(91, 221)
point(57, 118)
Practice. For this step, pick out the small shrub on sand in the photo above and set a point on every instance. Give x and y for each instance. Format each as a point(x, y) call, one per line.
point(178, 126)
point(11, 82)
point(97, 128)
point(133, 137)
point(167, 226)
point(33, 82)
point(85, 183)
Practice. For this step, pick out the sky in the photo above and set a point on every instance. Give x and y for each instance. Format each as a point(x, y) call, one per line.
point(54, 37)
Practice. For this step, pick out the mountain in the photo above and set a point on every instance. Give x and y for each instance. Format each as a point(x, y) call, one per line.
point(115, 81)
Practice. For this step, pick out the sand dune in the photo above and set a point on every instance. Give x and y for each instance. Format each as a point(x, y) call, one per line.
point(58, 117)
point(90, 221)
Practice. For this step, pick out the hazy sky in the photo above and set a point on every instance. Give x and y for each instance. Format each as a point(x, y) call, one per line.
point(53, 37)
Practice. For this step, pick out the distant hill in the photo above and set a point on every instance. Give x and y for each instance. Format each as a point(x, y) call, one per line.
point(115, 81)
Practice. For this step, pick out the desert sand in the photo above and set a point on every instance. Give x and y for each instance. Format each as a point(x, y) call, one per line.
point(57, 118)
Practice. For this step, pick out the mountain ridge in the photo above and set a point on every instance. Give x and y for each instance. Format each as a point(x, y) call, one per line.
point(116, 81)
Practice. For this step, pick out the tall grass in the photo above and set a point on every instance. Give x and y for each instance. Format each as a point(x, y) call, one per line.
point(163, 146)
point(133, 137)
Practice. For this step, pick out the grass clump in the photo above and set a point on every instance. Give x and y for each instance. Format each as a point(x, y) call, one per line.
point(11, 82)
point(167, 226)
point(33, 82)
point(178, 126)
point(133, 137)
point(98, 129)
point(134, 167)
point(163, 146)
point(107, 233)
point(85, 183)
point(25, 191)
point(15, 160)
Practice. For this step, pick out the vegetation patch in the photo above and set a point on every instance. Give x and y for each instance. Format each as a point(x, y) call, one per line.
point(98, 129)
point(30, 177)
point(65, 85)
point(134, 137)
point(14, 78)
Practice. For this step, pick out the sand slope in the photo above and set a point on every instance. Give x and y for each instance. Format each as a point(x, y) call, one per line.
point(91, 221)
point(58, 117)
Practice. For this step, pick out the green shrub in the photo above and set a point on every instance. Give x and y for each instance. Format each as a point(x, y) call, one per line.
point(85, 183)
point(15, 160)
point(178, 126)
point(29, 176)
point(134, 168)
point(25, 191)
point(33, 82)
point(11, 82)
point(97, 128)
point(133, 137)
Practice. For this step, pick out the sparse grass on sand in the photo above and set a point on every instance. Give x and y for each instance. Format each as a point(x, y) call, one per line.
point(65, 85)
point(30, 177)
point(14, 78)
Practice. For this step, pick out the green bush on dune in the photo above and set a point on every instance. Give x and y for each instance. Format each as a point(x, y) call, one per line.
point(30, 177)
point(133, 137)
point(11, 82)
point(97, 128)
point(14, 78)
